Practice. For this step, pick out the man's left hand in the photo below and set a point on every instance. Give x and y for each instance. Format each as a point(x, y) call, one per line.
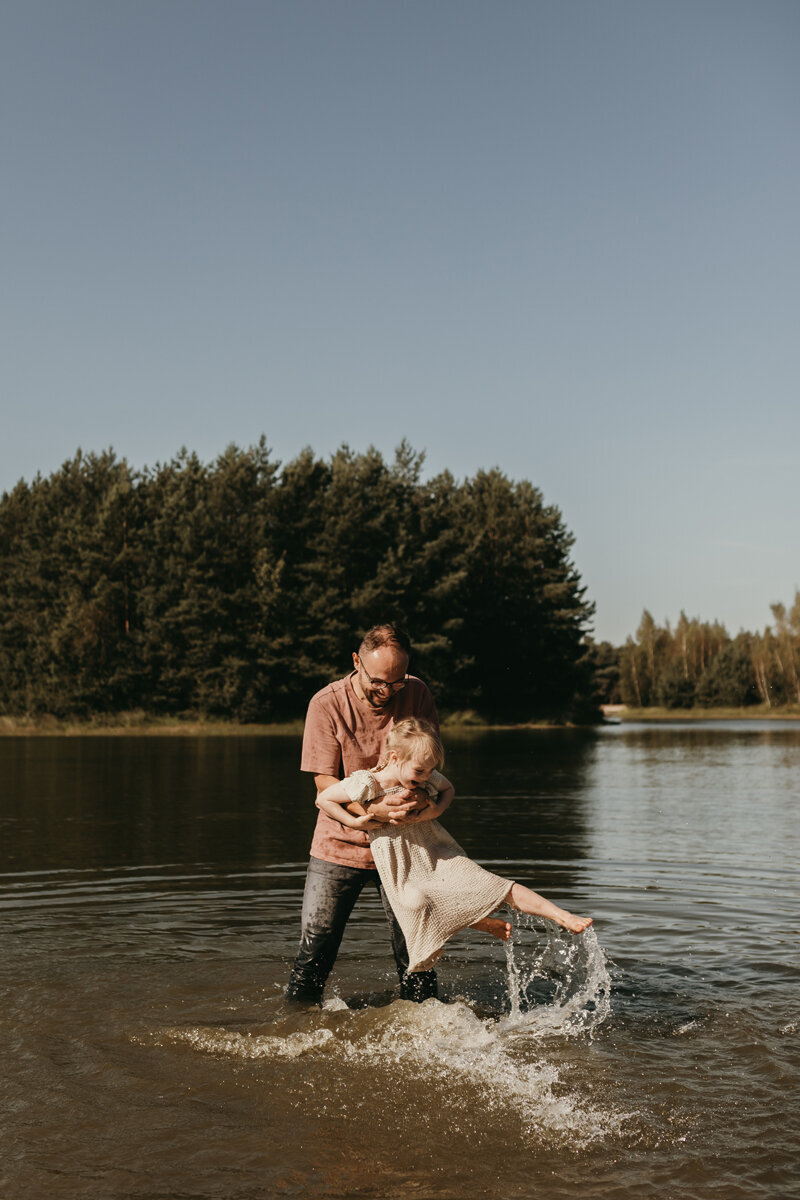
point(420, 799)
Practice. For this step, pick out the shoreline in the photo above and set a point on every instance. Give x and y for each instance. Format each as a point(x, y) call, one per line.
point(142, 725)
point(758, 712)
point(53, 727)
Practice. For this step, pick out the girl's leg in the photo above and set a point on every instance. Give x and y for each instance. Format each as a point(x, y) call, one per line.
point(526, 901)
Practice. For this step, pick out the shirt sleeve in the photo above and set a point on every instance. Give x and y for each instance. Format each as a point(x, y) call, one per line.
point(435, 784)
point(361, 787)
point(427, 708)
point(322, 754)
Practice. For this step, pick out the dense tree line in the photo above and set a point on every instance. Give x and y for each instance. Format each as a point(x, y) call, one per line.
point(237, 588)
point(697, 663)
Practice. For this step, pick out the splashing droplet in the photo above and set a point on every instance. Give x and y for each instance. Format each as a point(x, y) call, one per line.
point(558, 985)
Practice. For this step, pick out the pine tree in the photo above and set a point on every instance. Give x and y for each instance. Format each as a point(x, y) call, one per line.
point(524, 610)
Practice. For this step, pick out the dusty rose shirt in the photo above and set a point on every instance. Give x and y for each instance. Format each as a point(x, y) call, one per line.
point(342, 735)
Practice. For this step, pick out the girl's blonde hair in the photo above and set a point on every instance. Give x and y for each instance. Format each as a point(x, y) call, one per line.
point(414, 738)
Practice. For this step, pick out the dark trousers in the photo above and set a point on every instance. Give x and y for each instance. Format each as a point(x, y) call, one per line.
point(330, 894)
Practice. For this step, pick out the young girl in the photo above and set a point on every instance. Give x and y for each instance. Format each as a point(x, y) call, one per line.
point(433, 888)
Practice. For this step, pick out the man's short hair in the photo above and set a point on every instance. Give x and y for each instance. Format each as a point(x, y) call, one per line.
point(387, 634)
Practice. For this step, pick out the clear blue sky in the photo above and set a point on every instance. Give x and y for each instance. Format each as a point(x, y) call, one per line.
point(556, 237)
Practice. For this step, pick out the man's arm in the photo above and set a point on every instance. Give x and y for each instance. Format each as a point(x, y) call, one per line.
point(387, 810)
point(335, 801)
point(324, 781)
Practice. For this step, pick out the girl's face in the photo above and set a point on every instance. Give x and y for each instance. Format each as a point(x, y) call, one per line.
point(411, 772)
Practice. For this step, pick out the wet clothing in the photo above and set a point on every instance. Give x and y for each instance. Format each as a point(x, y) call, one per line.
point(433, 887)
point(331, 892)
point(342, 735)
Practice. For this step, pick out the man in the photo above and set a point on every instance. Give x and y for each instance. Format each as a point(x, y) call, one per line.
point(346, 725)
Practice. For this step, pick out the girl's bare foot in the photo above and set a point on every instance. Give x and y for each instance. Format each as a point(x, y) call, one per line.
point(526, 901)
point(575, 924)
point(492, 925)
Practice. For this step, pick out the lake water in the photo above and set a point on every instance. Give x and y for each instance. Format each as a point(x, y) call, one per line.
point(150, 890)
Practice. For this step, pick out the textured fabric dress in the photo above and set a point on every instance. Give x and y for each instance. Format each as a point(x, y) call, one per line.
point(433, 888)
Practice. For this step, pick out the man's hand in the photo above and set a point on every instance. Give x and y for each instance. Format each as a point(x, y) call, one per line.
point(422, 807)
point(400, 807)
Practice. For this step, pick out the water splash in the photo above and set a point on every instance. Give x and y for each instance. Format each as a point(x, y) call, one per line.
point(486, 1072)
point(558, 985)
point(483, 1064)
point(247, 1046)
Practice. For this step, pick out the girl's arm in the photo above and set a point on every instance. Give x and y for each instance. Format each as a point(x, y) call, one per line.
point(335, 801)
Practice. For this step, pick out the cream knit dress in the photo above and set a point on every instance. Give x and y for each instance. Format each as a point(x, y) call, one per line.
point(433, 888)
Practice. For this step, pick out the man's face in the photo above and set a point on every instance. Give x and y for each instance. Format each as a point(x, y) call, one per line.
point(381, 674)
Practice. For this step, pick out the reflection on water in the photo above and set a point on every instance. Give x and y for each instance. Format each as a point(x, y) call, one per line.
point(95, 801)
point(150, 891)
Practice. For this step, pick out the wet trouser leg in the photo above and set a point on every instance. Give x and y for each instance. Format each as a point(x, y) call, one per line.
point(330, 894)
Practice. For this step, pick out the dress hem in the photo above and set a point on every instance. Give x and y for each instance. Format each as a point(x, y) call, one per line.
point(427, 963)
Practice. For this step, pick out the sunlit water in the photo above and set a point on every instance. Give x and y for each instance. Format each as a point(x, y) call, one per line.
point(150, 896)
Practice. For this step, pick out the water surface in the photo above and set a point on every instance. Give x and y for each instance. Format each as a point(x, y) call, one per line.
point(150, 893)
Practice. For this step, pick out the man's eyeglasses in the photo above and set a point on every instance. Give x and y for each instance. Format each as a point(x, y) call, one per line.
point(381, 685)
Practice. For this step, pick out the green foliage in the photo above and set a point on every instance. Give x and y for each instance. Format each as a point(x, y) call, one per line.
point(603, 663)
point(674, 689)
point(63, 595)
point(728, 679)
point(698, 663)
point(524, 611)
point(238, 588)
